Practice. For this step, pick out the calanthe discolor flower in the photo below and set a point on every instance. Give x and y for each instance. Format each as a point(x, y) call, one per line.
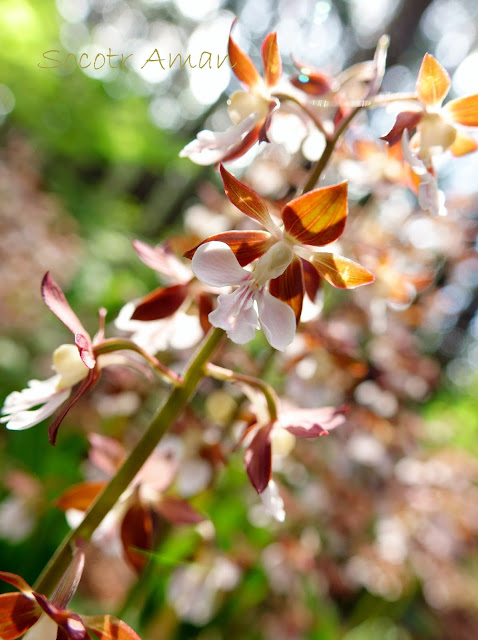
point(438, 129)
point(272, 293)
point(250, 109)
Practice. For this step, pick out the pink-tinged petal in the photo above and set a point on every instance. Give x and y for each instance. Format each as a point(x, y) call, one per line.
point(137, 533)
point(318, 217)
point(463, 110)
point(17, 614)
point(71, 578)
point(240, 322)
point(277, 321)
point(341, 272)
point(247, 201)
point(258, 459)
point(177, 510)
point(380, 62)
point(106, 453)
point(215, 264)
point(289, 287)
point(55, 300)
point(88, 382)
point(80, 496)
point(163, 260)
point(271, 60)
point(242, 65)
point(430, 198)
point(246, 245)
point(433, 82)
point(109, 628)
point(463, 145)
point(211, 147)
point(160, 303)
point(17, 581)
point(25, 419)
point(405, 120)
point(310, 423)
point(86, 354)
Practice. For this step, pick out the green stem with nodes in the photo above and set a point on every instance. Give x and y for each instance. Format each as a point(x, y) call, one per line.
point(329, 149)
point(119, 344)
point(178, 398)
point(227, 374)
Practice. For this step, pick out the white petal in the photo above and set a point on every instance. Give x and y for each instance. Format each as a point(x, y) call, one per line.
point(214, 263)
point(277, 320)
point(45, 628)
point(26, 419)
point(240, 326)
point(416, 164)
point(211, 147)
point(37, 392)
point(430, 197)
point(272, 501)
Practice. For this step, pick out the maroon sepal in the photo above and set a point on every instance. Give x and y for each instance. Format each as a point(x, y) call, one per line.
point(312, 279)
point(17, 614)
point(246, 245)
point(177, 510)
point(90, 380)
point(289, 287)
point(404, 120)
point(137, 533)
point(311, 423)
point(258, 459)
point(205, 305)
point(160, 303)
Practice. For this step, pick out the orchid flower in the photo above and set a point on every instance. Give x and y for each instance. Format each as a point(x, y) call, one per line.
point(271, 294)
point(159, 320)
point(293, 423)
point(249, 110)
point(436, 129)
point(132, 522)
point(31, 613)
point(73, 364)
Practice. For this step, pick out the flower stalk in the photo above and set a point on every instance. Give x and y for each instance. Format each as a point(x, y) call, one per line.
point(178, 398)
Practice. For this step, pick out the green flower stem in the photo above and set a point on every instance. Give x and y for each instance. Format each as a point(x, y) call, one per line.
point(119, 344)
point(329, 149)
point(227, 374)
point(178, 398)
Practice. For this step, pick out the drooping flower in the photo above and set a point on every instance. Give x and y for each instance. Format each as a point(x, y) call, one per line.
point(31, 613)
point(132, 523)
point(272, 293)
point(301, 423)
point(73, 364)
point(333, 98)
point(250, 110)
point(160, 319)
point(438, 129)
